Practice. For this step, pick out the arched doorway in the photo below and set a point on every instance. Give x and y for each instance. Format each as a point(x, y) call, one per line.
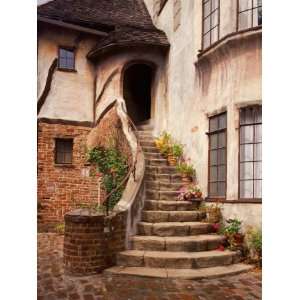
point(137, 81)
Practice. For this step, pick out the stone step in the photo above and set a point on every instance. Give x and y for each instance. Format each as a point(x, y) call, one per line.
point(164, 229)
point(166, 178)
point(150, 155)
point(182, 260)
point(192, 243)
point(203, 273)
point(170, 205)
point(162, 195)
point(147, 143)
point(156, 216)
point(150, 149)
point(166, 186)
point(161, 170)
point(156, 162)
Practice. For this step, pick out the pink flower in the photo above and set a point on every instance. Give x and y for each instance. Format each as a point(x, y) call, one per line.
point(221, 248)
point(216, 227)
point(98, 174)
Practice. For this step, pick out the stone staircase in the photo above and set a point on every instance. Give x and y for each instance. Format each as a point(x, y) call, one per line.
point(173, 241)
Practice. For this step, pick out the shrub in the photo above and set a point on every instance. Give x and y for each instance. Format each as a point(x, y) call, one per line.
point(113, 165)
point(185, 169)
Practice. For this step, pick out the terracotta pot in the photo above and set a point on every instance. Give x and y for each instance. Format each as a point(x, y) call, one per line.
point(172, 160)
point(238, 238)
point(214, 215)
point(186, 179)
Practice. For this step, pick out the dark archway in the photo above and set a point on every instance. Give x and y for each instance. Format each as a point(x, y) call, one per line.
point(137, 81)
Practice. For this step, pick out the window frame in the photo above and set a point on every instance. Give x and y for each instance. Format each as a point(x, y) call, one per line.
point(210, 29)
point(162, 4)
point(56, 141)
point(254, 199)
point(67, 48)
point(238, 12)
point(209, 134)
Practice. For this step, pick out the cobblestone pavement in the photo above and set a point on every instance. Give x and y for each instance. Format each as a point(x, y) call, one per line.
point(54, 284)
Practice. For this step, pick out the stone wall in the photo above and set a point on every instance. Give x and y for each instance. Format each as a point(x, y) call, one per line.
point(62, 187)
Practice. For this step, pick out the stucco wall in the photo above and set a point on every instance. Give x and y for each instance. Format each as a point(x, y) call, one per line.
point(225, 79)
point(112, 68)
point(72, 94)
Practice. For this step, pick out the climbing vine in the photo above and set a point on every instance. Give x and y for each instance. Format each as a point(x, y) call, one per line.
point(113, 165)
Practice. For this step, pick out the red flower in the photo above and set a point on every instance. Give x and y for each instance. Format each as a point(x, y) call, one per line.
point(98, 174)
point(221, 248)
point(216, 227)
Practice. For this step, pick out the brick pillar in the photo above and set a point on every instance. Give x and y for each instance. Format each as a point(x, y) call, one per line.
point(84, 242)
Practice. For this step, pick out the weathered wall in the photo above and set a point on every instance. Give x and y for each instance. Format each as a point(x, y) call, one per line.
point(109, 133)
point(71, 95)
point(60, 187)
point(225, 79)
point(109, 85)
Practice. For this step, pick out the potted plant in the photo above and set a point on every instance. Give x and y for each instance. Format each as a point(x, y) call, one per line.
point(187, 172)
point(232, 232)
point(254, 241)
point(191, 193)
point(163, 143)
point(174, 153)
point(214, 214)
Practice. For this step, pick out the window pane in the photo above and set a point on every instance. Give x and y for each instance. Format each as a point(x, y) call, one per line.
point(59, 157)
point(222, 121)
point(257, 133)
point(246, 115)
point(246, 170)
point(245, 19)
point(221, 173)
point(213, 189)
point(214, 18)
point(246, 189)
point(68, 157)
point(246, 134)
point(63, 62)
point(215, 34)
point(257, 152)
point(213, 174)
point(206, 24)
point(215, 4)
point(221, 140)
point(214, 141)
point(255, 17)
point(222, 156)
point(259, 21)
point(221, 188)
point(213, 157)
point(207, 8)
point(257, 170)
point(206, 40)
point(258, 114)
point(245, 4)
point(213, 124)
point(257, 188)
point(246, 152)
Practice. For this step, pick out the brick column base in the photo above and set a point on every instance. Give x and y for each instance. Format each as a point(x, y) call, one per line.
point(84, 243)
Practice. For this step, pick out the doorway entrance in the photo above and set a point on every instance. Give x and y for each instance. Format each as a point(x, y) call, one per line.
point(137, 83)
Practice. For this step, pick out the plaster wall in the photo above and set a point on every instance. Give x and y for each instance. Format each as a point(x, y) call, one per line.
point(71, 95)
point(225, 79)
point(109, 83)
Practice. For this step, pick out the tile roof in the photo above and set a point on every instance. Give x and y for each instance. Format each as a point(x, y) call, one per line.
point(126, 20)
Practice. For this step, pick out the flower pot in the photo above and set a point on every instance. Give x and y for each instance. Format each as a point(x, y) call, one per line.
point(213, 215)
point(186, 180)
point(238, 239)
point(172, 160)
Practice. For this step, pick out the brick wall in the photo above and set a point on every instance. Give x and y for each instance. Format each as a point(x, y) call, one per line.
point(92, 241)
point(61, 188)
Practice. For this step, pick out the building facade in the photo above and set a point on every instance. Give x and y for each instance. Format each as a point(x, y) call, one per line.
point(192, 68)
